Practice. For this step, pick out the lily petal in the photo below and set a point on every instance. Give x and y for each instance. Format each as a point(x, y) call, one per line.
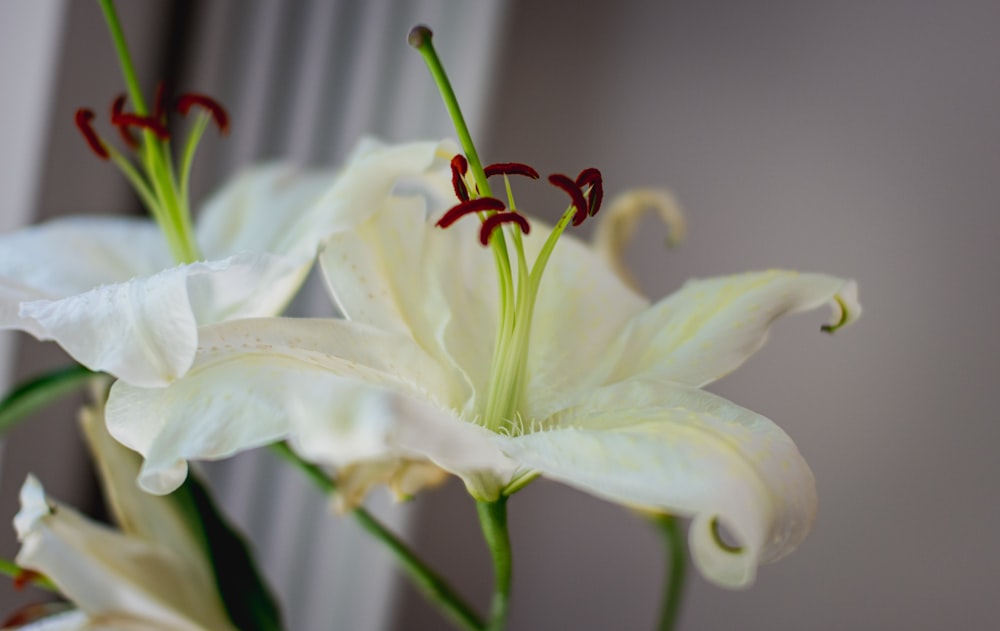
point(109, 575)
point(399, 272)
point(709, 327)
point(145, 330)
point(676, 449)
point(342, 393)
point(69, 256)
point(277, 208)
point(137, 513)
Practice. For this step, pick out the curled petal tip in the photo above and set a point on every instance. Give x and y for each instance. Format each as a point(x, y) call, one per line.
point(618, 224)
point(846, 308)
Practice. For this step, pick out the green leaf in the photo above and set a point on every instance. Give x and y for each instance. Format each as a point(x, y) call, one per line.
point(249, 602)
point(33, 395)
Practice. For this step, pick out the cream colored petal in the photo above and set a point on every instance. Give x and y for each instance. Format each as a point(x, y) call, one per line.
point(256, 210)
point(109, 575)
point(709, 327)
point(137, 513)
point(403, 477)
point(340, 391)
point(401, 273)
point(581, 309)
point(281, 209)
point(616, 225)
point(73, 620)
point(676, 449)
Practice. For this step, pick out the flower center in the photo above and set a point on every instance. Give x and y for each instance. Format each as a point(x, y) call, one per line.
point(162, 188)
point(502, 228)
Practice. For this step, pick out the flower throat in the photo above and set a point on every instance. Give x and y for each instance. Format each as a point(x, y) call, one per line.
point(502, 228)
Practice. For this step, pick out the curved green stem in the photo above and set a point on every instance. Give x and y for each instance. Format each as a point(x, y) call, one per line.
point(429, 582)
point(121, 48)
point(493, 519)
point(674, 589)
point(41, 391)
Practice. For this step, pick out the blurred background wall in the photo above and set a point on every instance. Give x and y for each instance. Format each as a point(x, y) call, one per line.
point(856, 138)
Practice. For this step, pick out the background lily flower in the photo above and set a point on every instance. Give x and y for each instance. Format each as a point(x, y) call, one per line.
point(609, 399)
point(107, 289)
point(148, 575)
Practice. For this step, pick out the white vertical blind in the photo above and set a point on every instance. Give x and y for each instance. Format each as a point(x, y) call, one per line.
point(30, 33)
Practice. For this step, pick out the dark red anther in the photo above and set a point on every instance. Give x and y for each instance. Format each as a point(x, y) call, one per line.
point(459, 167)
point(493, 222)
point(479, 205)
point(82, 119)
point(219, 115)
point(595, 195)
point(117, 110)
point(125, 120)
point(511, 168)
point(24, 578)
point(571, 187)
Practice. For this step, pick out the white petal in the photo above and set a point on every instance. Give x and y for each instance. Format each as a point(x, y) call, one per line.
point(68, 256)
point(256, 210)
point(277, 208)
point(109, 575)
point(341, 391)
point(141, 330)
point(145, 330)
point(711, 326)
point(676, 449)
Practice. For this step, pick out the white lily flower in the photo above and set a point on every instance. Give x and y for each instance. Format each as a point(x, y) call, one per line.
point(586, 382)
point(149, 576)
point(108, 291)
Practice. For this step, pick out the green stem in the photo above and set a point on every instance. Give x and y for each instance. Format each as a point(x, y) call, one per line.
point(420, 38)
point(41, 391)
point(493, 519)
point(674, 590)
point(172, 213)
point(429, 582)
point(121, 48)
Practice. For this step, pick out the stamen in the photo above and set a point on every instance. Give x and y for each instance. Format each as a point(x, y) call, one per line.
point(218, 112)
point(511, 168)
point(82, 119)
point(24, 578)
point(595, 195)
point(459, 167)
point(493, 222)
point(574, 191)
point(117, 110)
point(124, 120)
point(479, 205)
